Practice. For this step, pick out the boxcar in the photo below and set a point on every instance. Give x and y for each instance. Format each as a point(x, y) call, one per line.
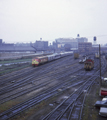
point(76, 55)
point(97, 55)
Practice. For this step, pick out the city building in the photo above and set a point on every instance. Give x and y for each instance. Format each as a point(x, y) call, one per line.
point(66, 42)
point(41, 45)
point(84, 47)
point(81, 39)
point(71, 43)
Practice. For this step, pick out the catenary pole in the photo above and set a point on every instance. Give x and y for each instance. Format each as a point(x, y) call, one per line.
point(100, 65)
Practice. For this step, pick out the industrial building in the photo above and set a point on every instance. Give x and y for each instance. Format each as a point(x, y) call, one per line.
point(69, 43)
point(7, 47)
point(41, 45)
point(81, 39)
point(84, 47)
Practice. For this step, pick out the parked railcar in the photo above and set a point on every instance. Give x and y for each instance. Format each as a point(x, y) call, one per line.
point(97, 55)
point(76, 55)
point(89, 64)
point(39, 60)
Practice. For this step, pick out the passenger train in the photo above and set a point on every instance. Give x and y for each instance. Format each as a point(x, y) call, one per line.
point(43, 59)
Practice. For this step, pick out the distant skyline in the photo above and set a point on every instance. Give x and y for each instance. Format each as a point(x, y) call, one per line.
point(29, 20)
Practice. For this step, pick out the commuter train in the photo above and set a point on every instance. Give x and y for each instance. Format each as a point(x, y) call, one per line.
point(89, 64)
point(43, 59)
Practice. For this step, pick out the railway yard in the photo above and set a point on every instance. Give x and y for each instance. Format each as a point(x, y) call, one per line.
point(58, 90)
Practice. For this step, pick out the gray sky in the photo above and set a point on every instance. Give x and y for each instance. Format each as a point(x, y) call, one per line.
point(30, 20)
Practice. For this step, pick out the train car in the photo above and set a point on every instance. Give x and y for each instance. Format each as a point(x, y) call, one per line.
point(66, 53)
point(97, 55)
point(43, 59)
point(57, 55)
point(51, 57)
point(39, 60)
point(76, 55)
point(89, 64)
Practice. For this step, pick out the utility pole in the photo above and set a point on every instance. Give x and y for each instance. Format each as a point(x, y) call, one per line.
point(100, 65)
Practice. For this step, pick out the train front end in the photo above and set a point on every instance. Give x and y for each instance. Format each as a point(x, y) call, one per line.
point(35, 62)
point(89, 64)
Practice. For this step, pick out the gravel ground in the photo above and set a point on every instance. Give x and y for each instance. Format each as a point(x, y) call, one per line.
point(90, 112)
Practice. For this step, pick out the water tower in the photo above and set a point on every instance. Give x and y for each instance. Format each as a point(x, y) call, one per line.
point(78, 35)
point(95, 40)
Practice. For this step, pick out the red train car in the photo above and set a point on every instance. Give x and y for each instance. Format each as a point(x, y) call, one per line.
point(39, 60)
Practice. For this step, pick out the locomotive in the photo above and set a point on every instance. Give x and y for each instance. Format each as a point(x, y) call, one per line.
point(43, 59)
point(89, 64)
point(39, 60)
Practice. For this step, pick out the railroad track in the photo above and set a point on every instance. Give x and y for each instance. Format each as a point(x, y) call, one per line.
point(29, 79)
point(53, 91)
point(71, 108)
point(22, 73)
point(64, 110)
point(54, 76)
point(43, 96)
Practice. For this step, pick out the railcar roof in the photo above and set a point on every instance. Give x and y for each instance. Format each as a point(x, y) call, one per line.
point(41, 57)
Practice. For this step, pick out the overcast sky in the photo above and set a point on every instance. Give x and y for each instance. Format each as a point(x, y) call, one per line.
point(30, 20)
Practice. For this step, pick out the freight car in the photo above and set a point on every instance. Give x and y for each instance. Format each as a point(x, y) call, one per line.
point(89, 64)
point(97, 55)
point(43, 59)
point(76, 55)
